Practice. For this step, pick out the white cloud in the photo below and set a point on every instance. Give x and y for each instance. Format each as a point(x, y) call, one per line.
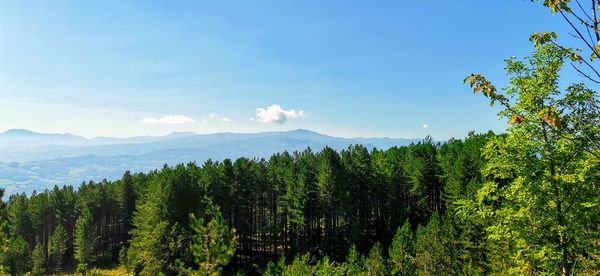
point(275, 114)
point(167, 120)
point(220, 118)
point(425, 126)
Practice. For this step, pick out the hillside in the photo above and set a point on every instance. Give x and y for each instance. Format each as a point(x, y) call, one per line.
point(35, 161)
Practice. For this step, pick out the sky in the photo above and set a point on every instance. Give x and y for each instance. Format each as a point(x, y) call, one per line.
point(343, 68)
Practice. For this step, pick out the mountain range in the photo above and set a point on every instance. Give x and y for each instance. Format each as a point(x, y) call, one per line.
point(36, 161)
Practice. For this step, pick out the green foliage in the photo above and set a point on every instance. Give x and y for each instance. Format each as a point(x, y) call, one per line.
point(128, 198)
point(58, 246)
point(461, 162)
point(523, 202)
point(401, 252)
point(356, 264)
point(275, 269)
point(213, 244)
point(542, 200)
point(38, 259)
point(374, 263)
point(423, 170)
point(325, 267)
point(300, 266)
point(85, 237)
point(320, 203)
point(18, 216)
point(147, 251)
point(18, 256)
point(4, 237)
point(353, 264)
point(160, 235)
point(432, 256)
point(182, 193)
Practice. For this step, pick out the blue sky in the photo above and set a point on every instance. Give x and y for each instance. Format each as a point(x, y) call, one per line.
point(345, 68)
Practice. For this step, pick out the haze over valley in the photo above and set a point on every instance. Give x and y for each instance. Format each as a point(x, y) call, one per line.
point(36, 161)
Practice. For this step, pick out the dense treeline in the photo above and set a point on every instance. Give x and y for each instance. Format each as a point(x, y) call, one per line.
point(524, 202)
point(321, 203)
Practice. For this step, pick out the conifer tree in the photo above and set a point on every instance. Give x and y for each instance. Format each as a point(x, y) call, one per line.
point(147, 253)
point(300, 266)
point(401, 251)
point(85, 237)
point(213, 244)
point(374, 263)
point(4, 238)
point(18, 256)
point(128, 198)
point(38, 260)
point(431, 254)
point(354, 262)
point(58, 246)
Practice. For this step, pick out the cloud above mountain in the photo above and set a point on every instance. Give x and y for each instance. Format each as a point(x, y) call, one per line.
point(276, 114)
point(167, 120)
point(220, 118)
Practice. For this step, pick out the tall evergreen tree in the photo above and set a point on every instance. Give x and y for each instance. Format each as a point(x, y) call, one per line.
point(19, 218)
point(147, 253)
point(58, 246)
point(18, 256)
point(38, 260)
point(431, 254)
point(213, 244)
point(85, 237)
point(423, 170)
point(374, 263)
point(401, 252)
point(128, 198)
point(4, 237)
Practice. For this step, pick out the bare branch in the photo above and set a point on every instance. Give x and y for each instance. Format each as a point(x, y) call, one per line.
point(587, 76)
point(579, 33)
point(581, 20)
point(595, 21)
point(582, 61)
point(583, 11)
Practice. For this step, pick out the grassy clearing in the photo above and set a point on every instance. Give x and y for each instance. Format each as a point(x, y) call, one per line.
point(115, 271)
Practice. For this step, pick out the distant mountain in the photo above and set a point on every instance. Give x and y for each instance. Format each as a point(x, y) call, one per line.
point(29, 139)
point(36, 161)
point(138, 139)
point(23, 138)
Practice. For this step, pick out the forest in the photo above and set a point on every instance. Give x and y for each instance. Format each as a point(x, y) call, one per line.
point(319, 203)
point(522, 202)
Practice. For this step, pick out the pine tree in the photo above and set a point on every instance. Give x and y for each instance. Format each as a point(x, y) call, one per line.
point(374, 263)
point(18, 216)
point(58, 246)
point(431, 256)
point(85, 237)
point(401, 252)
point(4, 238)
point(213, 244)
point(38, 260)
point(325, 267)
point(18, 256)
point(127, 203)
point(300, 266)
point(147, 253)
point(462, 163)
point(354, 262)
point(424, 171)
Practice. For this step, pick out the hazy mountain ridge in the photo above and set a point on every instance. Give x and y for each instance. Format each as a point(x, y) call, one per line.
point(35, 161)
